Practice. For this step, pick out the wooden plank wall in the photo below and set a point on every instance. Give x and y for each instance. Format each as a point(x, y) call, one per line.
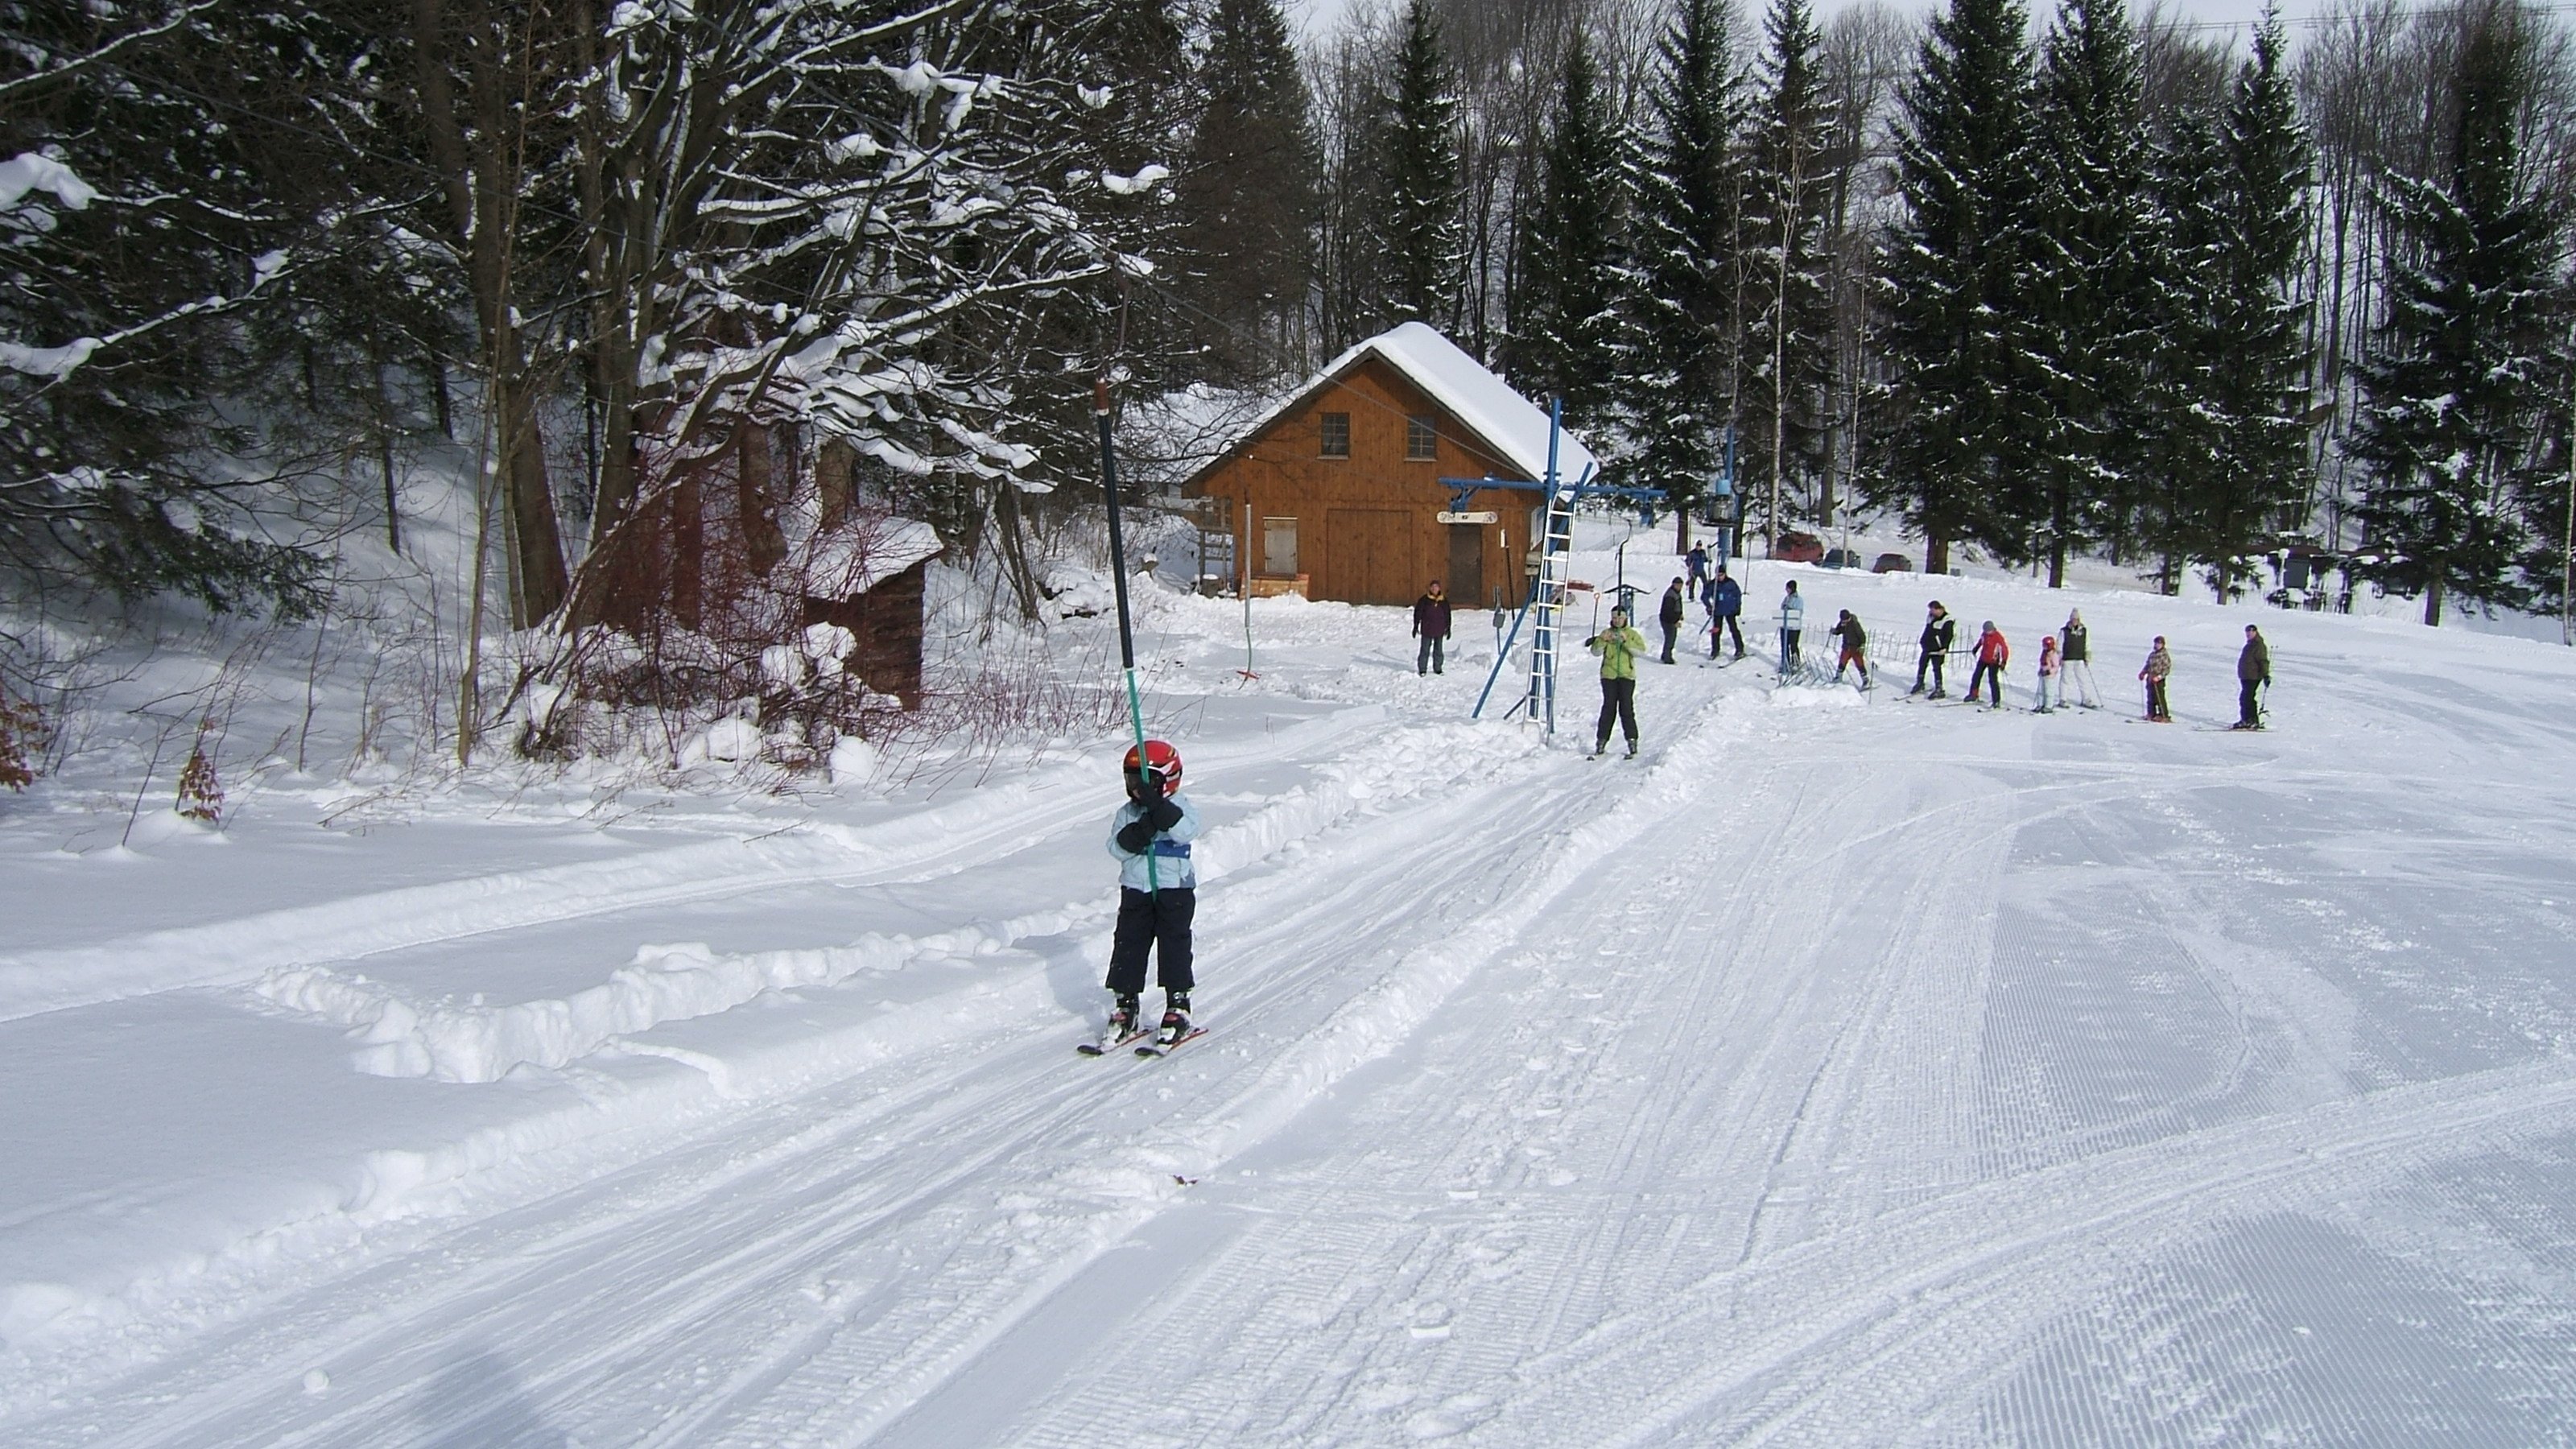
point(1366, 530)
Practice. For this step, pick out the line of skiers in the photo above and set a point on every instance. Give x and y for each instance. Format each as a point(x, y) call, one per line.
point(2066, 656)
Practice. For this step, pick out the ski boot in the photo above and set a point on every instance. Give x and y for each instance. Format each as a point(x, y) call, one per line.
point(1176, 1018)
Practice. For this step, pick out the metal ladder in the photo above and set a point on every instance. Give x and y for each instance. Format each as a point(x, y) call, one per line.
point(1555, 557)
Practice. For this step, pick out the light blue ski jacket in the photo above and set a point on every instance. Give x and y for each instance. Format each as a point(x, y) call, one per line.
point(1172, 863)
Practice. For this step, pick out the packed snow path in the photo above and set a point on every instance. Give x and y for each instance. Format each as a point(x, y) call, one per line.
point(1837, 1073)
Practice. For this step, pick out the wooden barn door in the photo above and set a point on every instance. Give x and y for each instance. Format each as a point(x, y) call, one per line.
point(1369, 552)
point(1465, 580)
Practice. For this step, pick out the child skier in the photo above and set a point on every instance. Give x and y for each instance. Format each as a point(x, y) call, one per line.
point(1158, 893)
point(1855, 652)
point(2158, 669)
point(1992, 655)
point(2048, 675)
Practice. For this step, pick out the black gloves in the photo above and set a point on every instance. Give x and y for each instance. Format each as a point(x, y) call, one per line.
point(1160, 813)
point(1135, 836)
point(1163, 814)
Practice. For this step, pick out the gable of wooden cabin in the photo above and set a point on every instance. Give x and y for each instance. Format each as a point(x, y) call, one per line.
point(1365, 524)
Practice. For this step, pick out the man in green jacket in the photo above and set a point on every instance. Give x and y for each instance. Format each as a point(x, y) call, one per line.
point(1618, 647)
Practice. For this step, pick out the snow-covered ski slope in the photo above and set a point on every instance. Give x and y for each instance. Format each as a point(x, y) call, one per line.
point(1845, 1070)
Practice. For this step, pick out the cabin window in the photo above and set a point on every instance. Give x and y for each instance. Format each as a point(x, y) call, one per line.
point(1421, 440)
point(1337, 435)
point(1279, 547)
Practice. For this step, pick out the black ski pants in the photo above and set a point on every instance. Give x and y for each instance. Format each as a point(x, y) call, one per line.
point(1933, 660)
point(1158, 921)
point(1672, 635)
point(1720, 628)
point(1426, 655)
point(1990, 675)
point(2249, 704)
point(1618, 702)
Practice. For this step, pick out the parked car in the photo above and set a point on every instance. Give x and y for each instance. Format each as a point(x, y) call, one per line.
point(1892, 563)
point(1841, 558)
point(1798, 548)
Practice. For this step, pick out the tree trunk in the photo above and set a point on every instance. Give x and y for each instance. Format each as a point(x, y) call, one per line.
point(2433, 600)
point(1936, 554)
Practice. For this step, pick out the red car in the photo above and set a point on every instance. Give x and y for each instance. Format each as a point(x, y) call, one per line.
point(1798, 548)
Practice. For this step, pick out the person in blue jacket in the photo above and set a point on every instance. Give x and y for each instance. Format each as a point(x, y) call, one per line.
point(1156, 902)
point(1726, 602)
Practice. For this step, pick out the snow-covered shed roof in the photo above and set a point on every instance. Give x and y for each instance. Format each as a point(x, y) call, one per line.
point(858, 556)
point(1507, 423)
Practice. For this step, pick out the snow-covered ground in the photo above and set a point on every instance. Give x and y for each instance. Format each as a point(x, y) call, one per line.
point(1846, 1070)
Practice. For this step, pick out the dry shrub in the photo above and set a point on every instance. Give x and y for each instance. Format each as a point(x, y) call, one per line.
point(201, 795)
point(23, 737)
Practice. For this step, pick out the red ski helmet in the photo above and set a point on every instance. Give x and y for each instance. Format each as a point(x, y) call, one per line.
point(1162, 759)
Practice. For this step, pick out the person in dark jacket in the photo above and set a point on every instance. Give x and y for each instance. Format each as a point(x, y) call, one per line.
point(1670, 615)
point(2253, 676)
point(1855, 652)
point(2075, 655)
point(1727, 603)
point(1697, 560)
point(1431, 625)
point(1940, 631)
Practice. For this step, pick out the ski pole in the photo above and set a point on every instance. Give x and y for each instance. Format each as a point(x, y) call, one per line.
point(1118, 585)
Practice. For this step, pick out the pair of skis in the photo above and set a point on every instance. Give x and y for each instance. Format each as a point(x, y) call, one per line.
point(1159, 1046)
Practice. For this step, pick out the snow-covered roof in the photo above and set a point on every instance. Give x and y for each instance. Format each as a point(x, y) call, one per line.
point(858, 556)
point(1503, 420)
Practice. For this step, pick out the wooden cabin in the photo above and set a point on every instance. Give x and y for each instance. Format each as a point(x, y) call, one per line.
point(1343, 480)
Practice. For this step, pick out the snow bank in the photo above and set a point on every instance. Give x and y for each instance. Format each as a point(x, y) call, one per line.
point(398, 1036)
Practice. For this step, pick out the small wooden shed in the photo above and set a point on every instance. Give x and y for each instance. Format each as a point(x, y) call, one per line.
point(867, 575)
point(1343, 480)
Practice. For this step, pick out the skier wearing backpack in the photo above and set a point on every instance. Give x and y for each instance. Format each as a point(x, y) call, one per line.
point(2253, 676)
point(1992, 655)
point(1855, 651)
point(1158, 893)
point(2159, 668)
point(1940, 631)
point(1726, 603)
point(1618, 647)
point(2076, 658)
point(1670, 615)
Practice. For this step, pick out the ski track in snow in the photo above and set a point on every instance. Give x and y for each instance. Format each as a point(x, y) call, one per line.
point(1837, 1074)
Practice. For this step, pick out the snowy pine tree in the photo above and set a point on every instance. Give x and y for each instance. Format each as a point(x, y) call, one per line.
point(1422, 271)
point(2089, 285)
point(2451, 395)
point(1953, 285)
point(1566, 334)
point(2257, 350)
point(1249, 192)
point(1789, 362)
point(2154, 510)
point(1682, 246)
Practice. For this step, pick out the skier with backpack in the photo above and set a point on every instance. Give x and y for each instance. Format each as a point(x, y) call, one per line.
point(1158, 895)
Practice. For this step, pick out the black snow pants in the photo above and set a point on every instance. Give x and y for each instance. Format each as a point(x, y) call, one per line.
point(1933, 661)
point(1158, 921)
point(1618, 702)
point(1990, 675)
point(2249, 703)
point(1720, 628)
